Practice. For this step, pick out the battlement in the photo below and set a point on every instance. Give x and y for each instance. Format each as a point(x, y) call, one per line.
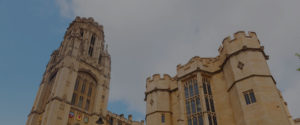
point(89, 20)
point(201, 60)
point(238, 40)
point(123, 119)
point(156, 77)
point(83, 22)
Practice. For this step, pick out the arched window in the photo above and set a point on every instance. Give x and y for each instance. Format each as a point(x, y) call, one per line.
point(92, 43)
point(84, 91)
point(209, 102)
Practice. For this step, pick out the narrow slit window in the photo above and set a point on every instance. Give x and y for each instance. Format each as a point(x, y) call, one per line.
point(87, 104)
point(83, 87)
point(80, 101)
point(163, 118)
point(76, 84)
point(81, 32)
point(252, 97)
point(247, 99)
point(73, 99)
point(92, 43)
point(90, 92)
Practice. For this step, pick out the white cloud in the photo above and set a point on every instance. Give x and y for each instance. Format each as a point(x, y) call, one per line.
point(65, 7)
point(153, 36)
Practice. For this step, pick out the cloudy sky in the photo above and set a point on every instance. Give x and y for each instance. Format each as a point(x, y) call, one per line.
point(144, 37)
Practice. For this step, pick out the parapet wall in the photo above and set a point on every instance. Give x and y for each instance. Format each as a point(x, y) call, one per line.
point(240, 40)
point(89, 20)
point(158, 82)
point(89, 23)
point(123, 119)
point(230, 46)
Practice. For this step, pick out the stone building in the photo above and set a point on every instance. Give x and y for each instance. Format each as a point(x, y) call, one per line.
point(234, 88)
point(75, 86)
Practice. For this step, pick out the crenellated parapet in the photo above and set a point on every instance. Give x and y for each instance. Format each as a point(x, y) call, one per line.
point(239, 41)
point(81, 23)
point(158, 83)
point(157, 77)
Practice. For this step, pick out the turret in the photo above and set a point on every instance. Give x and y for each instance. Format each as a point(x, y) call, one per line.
point(157, 97)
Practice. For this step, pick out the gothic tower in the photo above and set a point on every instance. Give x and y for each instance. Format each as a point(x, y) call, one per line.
point(75, 86)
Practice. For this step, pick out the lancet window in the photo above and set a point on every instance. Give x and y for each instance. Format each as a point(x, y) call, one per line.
point(83, 91)
point(92, 43)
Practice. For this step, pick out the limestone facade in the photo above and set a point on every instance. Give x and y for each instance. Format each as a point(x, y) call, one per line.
point(75, 86)
point(297, 121)
point(234, 88)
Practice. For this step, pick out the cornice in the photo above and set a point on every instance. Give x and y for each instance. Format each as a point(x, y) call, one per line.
point(247, 77)
point(159, 111)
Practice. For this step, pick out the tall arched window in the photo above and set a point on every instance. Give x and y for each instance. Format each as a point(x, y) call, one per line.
point(209, 102)
point(83, 97)
point(83, 91)
point(92, 43)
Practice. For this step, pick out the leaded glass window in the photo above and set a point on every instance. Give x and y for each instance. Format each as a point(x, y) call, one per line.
point(193, 102)
point(83, 91)
point(209, 102)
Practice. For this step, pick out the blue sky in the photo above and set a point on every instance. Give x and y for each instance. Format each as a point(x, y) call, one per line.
point(144, 37)
point(30, 30)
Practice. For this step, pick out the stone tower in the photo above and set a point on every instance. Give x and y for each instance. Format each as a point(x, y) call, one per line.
point(75, 86)
point(159, 96)
point(234, 88)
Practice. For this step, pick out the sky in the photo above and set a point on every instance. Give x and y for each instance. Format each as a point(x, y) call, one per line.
point(144, 37)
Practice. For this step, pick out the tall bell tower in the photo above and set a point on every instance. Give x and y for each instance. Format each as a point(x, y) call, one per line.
point(75, 86)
